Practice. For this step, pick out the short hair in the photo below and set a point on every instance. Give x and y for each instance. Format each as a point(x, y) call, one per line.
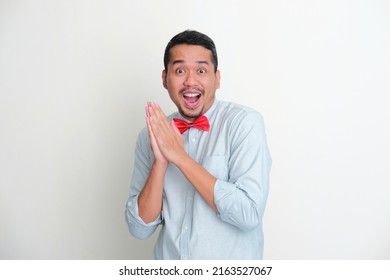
point(191, 37)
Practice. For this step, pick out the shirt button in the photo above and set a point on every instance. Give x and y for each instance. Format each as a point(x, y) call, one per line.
point(193, 140)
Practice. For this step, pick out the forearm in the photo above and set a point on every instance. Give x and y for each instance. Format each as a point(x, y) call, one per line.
point(237, 206)
point(150, 198)
point(199, 177)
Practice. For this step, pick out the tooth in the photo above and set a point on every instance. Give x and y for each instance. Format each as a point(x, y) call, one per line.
point(191, 94)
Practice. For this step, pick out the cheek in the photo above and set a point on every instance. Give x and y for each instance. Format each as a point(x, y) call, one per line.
point(174, 85)
point(171, 80)
point(172, 88)
point(212, 84)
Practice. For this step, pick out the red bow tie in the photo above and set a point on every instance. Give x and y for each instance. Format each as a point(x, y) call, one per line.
point(201, 123)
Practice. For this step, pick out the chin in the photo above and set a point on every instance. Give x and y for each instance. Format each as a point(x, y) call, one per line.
point(191, 114)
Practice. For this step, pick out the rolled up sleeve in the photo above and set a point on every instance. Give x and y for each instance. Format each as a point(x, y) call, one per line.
point(137, 227)
point(241, 199)
point(142, 164)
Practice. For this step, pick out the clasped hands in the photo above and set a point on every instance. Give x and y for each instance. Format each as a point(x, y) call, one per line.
point(165, 138)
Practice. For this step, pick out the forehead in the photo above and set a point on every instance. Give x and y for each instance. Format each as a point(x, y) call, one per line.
point(189, 54)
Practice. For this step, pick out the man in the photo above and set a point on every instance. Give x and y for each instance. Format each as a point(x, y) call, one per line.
point(208, 186)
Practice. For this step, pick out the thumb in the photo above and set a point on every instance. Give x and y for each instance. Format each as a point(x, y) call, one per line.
point(175, 127)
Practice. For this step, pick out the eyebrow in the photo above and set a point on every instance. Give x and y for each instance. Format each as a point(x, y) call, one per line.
point(179, 61)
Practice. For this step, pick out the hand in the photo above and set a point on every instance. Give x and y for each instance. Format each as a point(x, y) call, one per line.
point(167, 142)
point(158, 156)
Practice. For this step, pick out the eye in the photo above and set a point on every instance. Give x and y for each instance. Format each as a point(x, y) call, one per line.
point(180, 71)
point(201, 71)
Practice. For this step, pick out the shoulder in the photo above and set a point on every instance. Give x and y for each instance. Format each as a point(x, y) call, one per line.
point(143, 133)
point(237, 114)
point(143, 140)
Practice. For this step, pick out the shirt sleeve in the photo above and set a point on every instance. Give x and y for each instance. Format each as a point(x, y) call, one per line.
point(142, 164)
point(242, 198)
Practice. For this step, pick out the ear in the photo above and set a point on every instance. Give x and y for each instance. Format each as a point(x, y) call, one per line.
point(164, 78)
point(217, 79)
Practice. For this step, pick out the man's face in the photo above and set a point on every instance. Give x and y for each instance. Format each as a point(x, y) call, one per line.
point(191, 80)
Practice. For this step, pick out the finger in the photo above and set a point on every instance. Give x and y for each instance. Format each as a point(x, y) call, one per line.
point(153, 112)
point(158, 119)
point(152, 137)
point(175, 129)
point(148, 125)
point(147, 111)
point(149, 121)
point(159, 113)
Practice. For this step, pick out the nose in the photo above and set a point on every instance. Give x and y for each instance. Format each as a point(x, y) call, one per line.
point(190, 79)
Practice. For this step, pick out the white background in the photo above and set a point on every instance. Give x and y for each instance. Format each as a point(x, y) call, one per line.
point(74, 80)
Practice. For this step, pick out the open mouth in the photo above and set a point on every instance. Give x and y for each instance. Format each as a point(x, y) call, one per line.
point(191, 98)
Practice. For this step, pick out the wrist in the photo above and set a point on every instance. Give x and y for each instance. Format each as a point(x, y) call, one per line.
point(180, 158)
point(160, 165)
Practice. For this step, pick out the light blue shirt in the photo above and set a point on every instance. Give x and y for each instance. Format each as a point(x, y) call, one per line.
point(235, 151)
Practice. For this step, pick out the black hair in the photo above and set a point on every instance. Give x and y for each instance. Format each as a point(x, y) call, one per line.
point(192, 37)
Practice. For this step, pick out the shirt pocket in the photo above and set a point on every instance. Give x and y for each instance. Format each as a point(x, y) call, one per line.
point(217, 166)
